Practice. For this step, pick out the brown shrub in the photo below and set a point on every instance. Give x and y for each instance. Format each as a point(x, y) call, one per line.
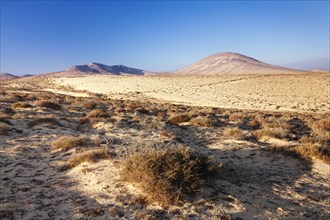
point(98, 113)
point(234, 133)
point(67, 142)
point(236, 117)
point(321, 129)
point(307, 151)
point(202, 121)
point(21, 105)
point(49, 105)
point(177, 119)
point(278, 132)
point(90, 156)
point(3, 129)
point(89, 105)
point(47, 120)
point(166, 175)
point(161, 115)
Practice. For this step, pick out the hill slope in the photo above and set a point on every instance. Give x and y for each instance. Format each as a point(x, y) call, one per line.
point(7, 76)
point(224, 63)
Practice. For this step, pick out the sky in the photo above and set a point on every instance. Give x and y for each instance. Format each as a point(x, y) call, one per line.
point(47, 36)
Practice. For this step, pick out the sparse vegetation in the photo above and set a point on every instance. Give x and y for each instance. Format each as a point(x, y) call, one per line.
point(49, 105)
point(306, 151)
point(45, 120)
point(67, 142)
point(90, 156)
point(3, 129)
point(179, 118)
point(202, 121)
point(278, 132)
point(98, 113)
point(89, 105)
point(166, 176)
point(21, 105)
point(234, 133)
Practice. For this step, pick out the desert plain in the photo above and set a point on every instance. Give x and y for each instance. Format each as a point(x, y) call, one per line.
point(66, 143)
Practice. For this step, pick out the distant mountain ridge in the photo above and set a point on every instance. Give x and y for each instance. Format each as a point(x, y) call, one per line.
point(220, 63)
point(230, 63)
point(98, 68)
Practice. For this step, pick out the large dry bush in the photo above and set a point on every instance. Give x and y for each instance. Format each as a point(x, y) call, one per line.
point(68, 142)
point(166, 176)
point(21, 105)
point(179, 118)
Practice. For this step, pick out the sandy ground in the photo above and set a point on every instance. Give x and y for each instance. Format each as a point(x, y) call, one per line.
point(295, 92)
point(254, 182)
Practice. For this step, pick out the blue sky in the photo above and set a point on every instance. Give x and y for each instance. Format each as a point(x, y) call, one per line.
point(46, 36)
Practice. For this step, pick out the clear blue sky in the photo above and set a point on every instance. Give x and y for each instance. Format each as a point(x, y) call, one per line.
point(46, 36)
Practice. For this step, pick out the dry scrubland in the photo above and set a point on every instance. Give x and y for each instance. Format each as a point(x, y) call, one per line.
point(277, 92)
point(97, 157)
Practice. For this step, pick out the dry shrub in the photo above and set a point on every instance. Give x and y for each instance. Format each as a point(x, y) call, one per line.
point(306, 151)
point(236, 117)
point(8, 111)
point(321, 129)
point(98, 113)
point(161, 115)
point(90, 156)
point(67, 142)
point(307, 140)
point(234, 133)
point(3, 129)
point(89, 105)
point(278, 132)
point(202, 121)
point(21, 105)
point(49, 105)
point(166, 176)
point(167, 134)
point(177, 119)
point(47, 120)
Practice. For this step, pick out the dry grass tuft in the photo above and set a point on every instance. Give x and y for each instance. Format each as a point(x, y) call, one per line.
point(202, 121)
point(98, 113)
point(49, 105)
point(3, 129)
point(67, 142)
point(321, 129)
point(166, 175)
point(21, 105)
point(90, 156)
point(306, 151)
point(280, 133)
point(89, 105)
point(47, 120)
point(234, 133)
point(177, 119)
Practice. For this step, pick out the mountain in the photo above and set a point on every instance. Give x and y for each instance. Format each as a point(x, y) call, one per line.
point(230, 63)
point(7, 76)
point(323, 64)
point(98, 68)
